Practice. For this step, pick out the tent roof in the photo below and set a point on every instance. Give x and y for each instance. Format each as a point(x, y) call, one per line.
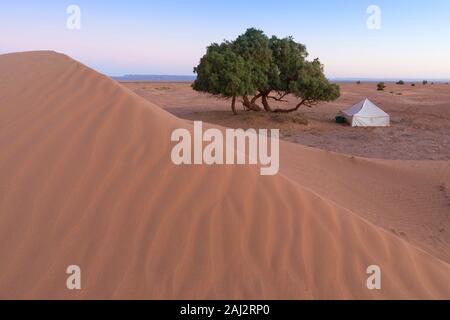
point(365, 108)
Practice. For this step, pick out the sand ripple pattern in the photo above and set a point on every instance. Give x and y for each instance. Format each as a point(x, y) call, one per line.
point(86, 179)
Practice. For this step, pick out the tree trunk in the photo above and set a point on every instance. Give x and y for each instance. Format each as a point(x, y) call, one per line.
point(233, 105)
point(265, 103)
point(252, 106)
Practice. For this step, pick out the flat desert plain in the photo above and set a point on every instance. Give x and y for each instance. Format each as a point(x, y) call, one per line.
point(420, 118)
point(86, 179)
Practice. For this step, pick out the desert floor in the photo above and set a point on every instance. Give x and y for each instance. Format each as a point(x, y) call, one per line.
point(420, 118)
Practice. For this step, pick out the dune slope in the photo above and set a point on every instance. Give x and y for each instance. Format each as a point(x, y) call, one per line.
point(86, 179)
point(410, 199)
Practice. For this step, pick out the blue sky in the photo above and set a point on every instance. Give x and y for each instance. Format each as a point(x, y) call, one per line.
point(169, 37)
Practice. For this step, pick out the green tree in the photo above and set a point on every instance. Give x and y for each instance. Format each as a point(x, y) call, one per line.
point(256, 68)
point(381, 86)
point(223, 73)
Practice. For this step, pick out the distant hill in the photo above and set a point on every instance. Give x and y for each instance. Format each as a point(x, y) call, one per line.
point(184, 78)
point(154, 78)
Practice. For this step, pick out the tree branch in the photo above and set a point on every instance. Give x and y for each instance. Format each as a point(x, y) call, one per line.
point(259, 95)
point(292, 109)
point(280, 97)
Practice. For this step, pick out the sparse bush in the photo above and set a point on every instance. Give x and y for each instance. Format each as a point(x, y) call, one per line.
point(424, 82)
point(163, 88)
point(298, 118)
point(413, 84)
point(401, 82)
point(358, 82)
point(381, 86)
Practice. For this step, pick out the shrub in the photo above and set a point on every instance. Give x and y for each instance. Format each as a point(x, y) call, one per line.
point(381, 86)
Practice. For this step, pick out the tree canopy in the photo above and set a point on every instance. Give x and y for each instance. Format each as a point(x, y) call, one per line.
point(254, 67)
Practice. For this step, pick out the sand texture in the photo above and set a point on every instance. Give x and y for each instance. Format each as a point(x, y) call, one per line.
point(86, 178)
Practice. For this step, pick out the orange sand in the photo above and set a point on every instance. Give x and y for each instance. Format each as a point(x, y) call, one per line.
point(86, 179)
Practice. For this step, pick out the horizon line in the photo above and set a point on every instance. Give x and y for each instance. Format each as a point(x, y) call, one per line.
point(174, 77)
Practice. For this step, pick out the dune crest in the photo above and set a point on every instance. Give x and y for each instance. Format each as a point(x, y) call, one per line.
point(86, 179)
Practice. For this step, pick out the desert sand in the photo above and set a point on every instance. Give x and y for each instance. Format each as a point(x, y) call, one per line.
point(409, 198)
point(86, 179)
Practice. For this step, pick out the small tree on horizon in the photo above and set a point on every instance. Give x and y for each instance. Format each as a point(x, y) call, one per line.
point(401, 82)
point(257, 68)
point(381, 86)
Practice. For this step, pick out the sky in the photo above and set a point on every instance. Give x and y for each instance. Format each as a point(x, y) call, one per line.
point(169, 37)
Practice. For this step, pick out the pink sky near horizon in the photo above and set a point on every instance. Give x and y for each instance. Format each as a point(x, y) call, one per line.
point(170, 38)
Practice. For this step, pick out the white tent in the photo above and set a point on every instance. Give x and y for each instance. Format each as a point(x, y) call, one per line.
point(366, 114)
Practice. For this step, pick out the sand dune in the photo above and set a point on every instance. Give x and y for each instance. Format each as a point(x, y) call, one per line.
point(86, 179)
point(408, 198)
